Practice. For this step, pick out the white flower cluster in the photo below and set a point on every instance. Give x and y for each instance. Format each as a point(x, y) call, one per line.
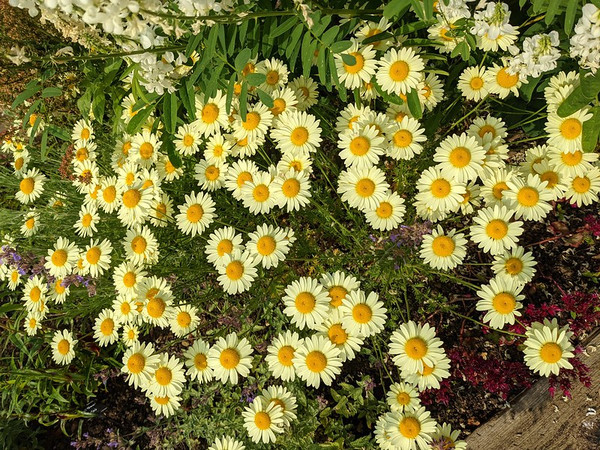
point(539, 55)
point(585, 44)
point(493, 29)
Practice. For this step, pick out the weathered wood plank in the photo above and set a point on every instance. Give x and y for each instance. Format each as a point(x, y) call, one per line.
point(538, 422)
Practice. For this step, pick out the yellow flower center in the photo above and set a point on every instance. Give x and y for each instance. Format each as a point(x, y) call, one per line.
point(299, 136)
point(337, 295)
point(260, 193)
point(131, 198)
point(403, 398)
point(409, 427)
point(86, 220)
point(194, 213)
point(82, 154)
point(125, 308)
point(571, 128)
point(384, 210)
point(200, 361)
point(85, 134)
point(285, 355)
point(496, 229)
point(440, 188)
point(212, 173)
point(506, 80)
point(19, 163)
point(460, 157)
point(35, 294)
point(262, 420)
point(225, 246)
point(93, 255)
point(528, 196)
point(365, 187)
point(252, 121)
point(305, 302)
point(59, 257)
point(360, 145)
point(184, 319)
point(272, 77)
point(316, 361)
point(163, 376)
point(156, 307)
point(581, 184)
point(107, 326)
point(229, 358)
point(551, 352)
point(362, 313)
point(278, 106)
point(146, 150)
point(243, 177)
point(188, 140)
point(136, 363)
point(487, 129)
point(266, 245)
point(498, 188)
point(63, 347)
point(27, 185)
point(476, 83)
point(571, 159)
point(504, 303)
point(290, 187)
point(513, 266)
point(399, 71)
point(551, 177)
point(139, 244)
point(58, 287)
point(337, 334)
point(234, 270)
point(210, 113)
point(129, 279)
point(443, 246)
point(403, 138)
point(162, 400)
point(415, 348)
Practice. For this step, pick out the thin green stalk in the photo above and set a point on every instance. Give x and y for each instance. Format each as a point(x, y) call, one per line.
point(236, 18)
point(510, 333)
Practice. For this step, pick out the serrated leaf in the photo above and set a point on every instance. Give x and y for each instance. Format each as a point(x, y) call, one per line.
point(51, 92)
point(241, 59)
point(340, 46)
point(256, 79)
point(414, 104)
point(265, 98)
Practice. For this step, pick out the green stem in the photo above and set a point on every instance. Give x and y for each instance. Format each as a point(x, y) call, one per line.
point(234, 18)
point(171, 48)
point(485, 325)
